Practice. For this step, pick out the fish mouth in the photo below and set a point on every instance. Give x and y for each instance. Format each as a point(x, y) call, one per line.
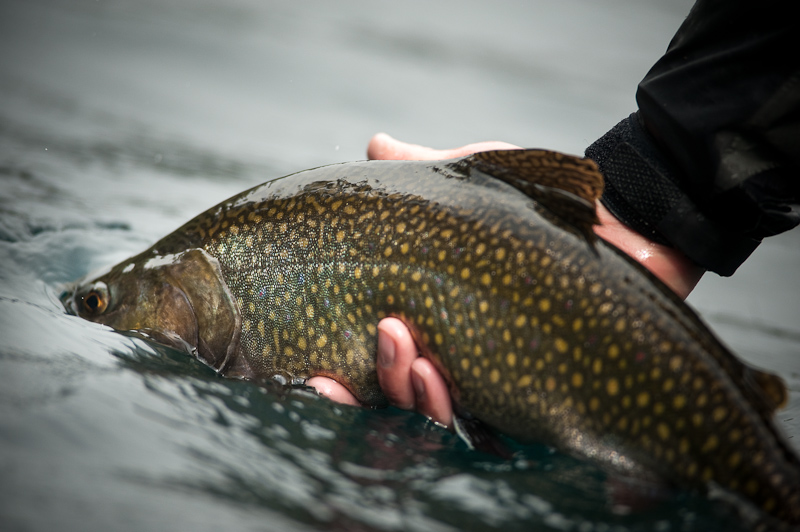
point(67, 299)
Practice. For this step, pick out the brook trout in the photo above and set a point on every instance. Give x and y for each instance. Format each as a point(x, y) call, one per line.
point(542, 330)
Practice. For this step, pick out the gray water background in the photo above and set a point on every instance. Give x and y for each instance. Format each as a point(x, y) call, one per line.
point(119, 120)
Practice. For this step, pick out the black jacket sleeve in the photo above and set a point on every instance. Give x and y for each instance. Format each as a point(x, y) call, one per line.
point(710, 164)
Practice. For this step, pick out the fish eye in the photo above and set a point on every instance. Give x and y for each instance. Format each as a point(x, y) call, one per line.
point(95, 301)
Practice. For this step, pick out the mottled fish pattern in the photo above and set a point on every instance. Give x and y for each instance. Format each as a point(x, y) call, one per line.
point(542, 331)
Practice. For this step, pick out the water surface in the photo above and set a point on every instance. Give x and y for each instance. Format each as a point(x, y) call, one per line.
point(121, 120)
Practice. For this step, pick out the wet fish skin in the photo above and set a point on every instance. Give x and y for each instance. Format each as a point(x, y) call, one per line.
point(541, 331)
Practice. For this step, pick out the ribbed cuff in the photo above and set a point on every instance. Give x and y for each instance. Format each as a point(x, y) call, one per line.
point(643, 192)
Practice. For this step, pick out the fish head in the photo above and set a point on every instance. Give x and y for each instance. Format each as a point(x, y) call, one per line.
point(180, 300)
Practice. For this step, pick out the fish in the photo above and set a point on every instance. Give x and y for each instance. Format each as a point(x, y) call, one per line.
point(543, 331)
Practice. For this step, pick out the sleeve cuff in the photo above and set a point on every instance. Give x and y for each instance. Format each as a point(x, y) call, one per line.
point(643, 192)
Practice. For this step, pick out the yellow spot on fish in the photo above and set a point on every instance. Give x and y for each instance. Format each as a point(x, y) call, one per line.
point(643, 399)
point(494, 376)
point(288, 351)
point(476, 371)
point(544, 305)
point(594, 404)
point(663, 431)
point(679, 401)
point(483, 306)
point(500, 254)
point(619, 326)
point(683, 445)
point(511, 359)
point(577, 380)
point(597, 366)
point(613, 351)
point(719, 414)
point(261, 327)
point(734, 459)
point(465, 273)
point(465, 364)
point(577, 325)
point(301, 343)
point(550, 384)
point(612, 386)
point(486, 279)
point(524, 381)
point(561, 345)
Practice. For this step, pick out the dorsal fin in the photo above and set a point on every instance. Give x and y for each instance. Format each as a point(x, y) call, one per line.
point(566, 185)
point(580, 177)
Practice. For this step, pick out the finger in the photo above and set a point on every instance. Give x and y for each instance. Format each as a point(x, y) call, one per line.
point(432, 396)
point(332, 390)
point(396, 352)
point(382, 146)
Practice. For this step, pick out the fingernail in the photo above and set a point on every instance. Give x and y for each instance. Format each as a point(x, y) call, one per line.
point(385, 351)
point(419, 385)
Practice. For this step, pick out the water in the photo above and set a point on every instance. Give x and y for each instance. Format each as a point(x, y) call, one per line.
point(121, 120)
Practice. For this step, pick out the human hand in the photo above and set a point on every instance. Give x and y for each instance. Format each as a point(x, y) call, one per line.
point(410, 381)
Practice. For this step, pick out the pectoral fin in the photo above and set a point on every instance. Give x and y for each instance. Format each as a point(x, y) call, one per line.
point(479, 437)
